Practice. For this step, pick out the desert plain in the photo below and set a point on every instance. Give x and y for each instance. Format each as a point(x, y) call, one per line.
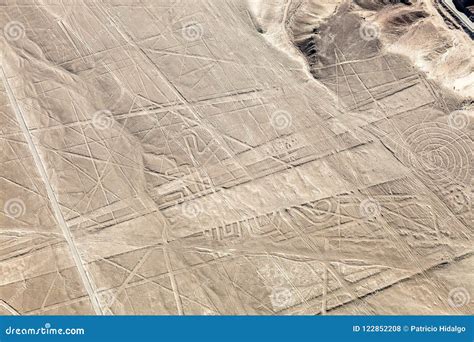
point(236, 157)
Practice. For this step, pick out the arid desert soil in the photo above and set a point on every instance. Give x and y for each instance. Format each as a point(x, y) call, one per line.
point(256, 157)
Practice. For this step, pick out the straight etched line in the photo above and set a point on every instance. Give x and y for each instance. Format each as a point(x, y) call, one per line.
point(52, 197)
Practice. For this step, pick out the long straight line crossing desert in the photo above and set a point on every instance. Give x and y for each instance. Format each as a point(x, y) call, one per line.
point(234, 157)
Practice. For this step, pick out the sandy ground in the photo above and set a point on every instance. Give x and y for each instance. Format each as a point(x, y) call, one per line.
point(241, 157)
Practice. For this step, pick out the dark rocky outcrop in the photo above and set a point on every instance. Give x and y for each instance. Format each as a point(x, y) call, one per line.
point(465, 6)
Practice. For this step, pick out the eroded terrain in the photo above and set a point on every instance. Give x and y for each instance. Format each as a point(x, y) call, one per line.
point(235, 157)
